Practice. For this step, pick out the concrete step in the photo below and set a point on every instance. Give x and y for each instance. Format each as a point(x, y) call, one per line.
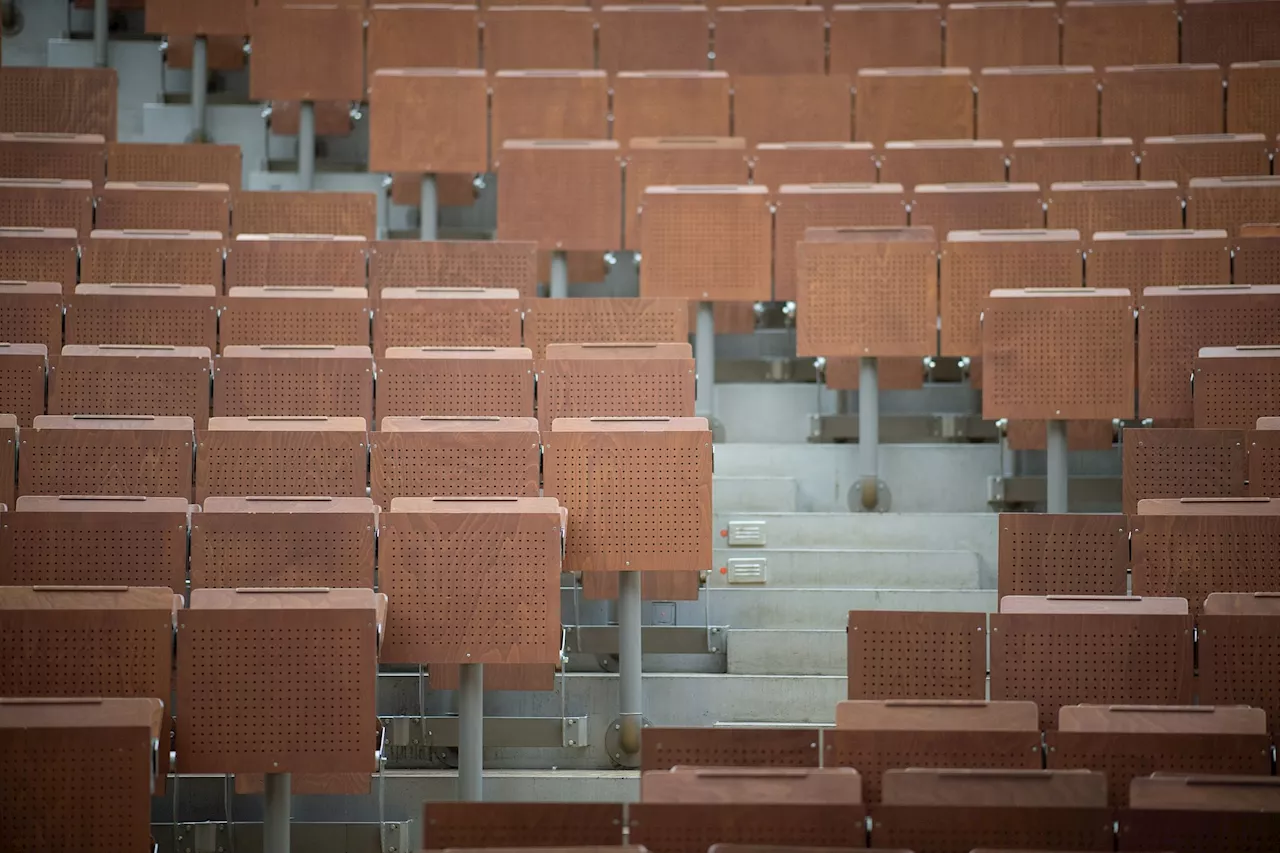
point(827, 608)
point(851, 568)
point(753, 494)
point(787, 652)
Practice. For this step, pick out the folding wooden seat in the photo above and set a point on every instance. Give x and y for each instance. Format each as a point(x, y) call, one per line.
point(885, 35)
point(31, 313)
point(548, 105)
point(275, 456)
point(688, 161)
point(414, 35)
point(670, 103)
point(976, 207)
point(306, 53)
point(942, 161)
point(774, 164)
point(817, 786)
point(1175, 322)
point(699, 825)
point(1119, 32)
point(240, 711)
point(194, 17)
point(224, 53)
point(1050, 161)
point(175, 315)
point(998, 35)
point(791, 108)
point(59, 100)
point(1200, 813)
point(1234, 386)
point(1239, 633)
point(900, 655)
point(160, 205)
point(297, 260)
point(409, 106)
point(1264, 458)
point(1161, 100)
point(294, 316)
point(518, 38)
point(913, 103)
point(102, 541)
point(152, 257)
point(1067, 650)
point(265, 542)
point(131, 379)
point(459, 263)
point(1227, 31)
point(840, 272)
point(1045, 102)
point(889, 734)
point(333, 118)
point(293, 213)
point(39, 254)
point(447, 317)
point(38, 203)
point(1175, 463)
point(294, 381)
point(1181, 158)
point(1231, 203)
point(451, 190)
point(1139, 259)
point(8, 460)
point(647, 38)
point(570, 824)
point(1093, 206)
point(1253, 102)
point(623, 380)
point(770, 40)
point(665, 748)
point(483, 382)
point(604, 320)
point(896, 374)
point(1256, 254)
point(562, 194)
point(1044, 554)
point(89, 455)
point(22, 371)
point(707, 243)
point(79, 157)
point(200, 164)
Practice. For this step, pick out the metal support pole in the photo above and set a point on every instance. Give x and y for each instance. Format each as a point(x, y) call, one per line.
point(306, 145)
point(630, 698)
point(429, 215)
point(199, 87)
point(471, 732)
point(559, 275)
point(1056, 466)
point(704, 357)
point(101, 22)
point(869, 430)
point(275, 813)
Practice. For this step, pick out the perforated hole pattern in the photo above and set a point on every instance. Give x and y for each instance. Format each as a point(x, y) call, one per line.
point(447, 323)
point(245, 387)
point(276, 550)
point(604, 321)
point(131, 260)
point(715, 247)
point(130, 549)
point(95, 385)
point(277, 263)
point(141, 320)
point(569, 388)
point(917, 655)
point(277, 464)
point(296, 322)
point(408, 465)
point(116, 462)
point(1264, 463)
point(1240, 663)
point(1232, 393)
point(435, 387)
point(22, 381)
point(1191, 556)
point(664, 748)
point(1180, 463)
point(454, 264)
point(1063, 554)
point(1136, 264)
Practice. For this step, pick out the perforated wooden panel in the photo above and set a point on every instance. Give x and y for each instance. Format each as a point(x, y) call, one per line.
point(1048, 161)
point(959, 829)
point(656, 162)
point(885, 36)
point(900, 655)
point(1094, 206)
point(31, 312)
point(913, 103)
point(493, 382)
point(261, 542)
point(39, 254)
point(1198, 831)
point(296, 260)
point(1177, 463)
point(1048, 355)
point(604, 320)
point(975, 263)
point(428, 120)
point(984, 35)
point(152, 257)
point(615, 380)
point(1175, 323)
point(106, 456)
point(654, 586)
point(1253, 107)
point(197, 163)
point(461, 263)
point(225, 53)
point(649, 104)
point(59, 100)
point(333, 381)
point(972, 207)
point(1161, 100)
point(333, 118)
point(447, 317)
point(497, 676)
point(1181, 158)
point(277, 682)
point(867, 292)
point(22, 379)
point(792, 108)
point(691, 827)
point(53, 155)
point(1264, 462)
point(643, 38)
point(1063, 554)
point(36, 203)
point(8, 458)
point(941, 161)
point(774, 164)
point(294, 316)
point(446, 825)
point(1081, 435)
point(1042, 102)
point(524, 37)
point(1239, 659)
point(144, 314)
point(1257, 258)
point(1227, 31)
point(770, 40)
point(196, 17)
point(706, 243)
point(1056, 659)
point(159, 205)
point(895, 374)
point(423, 36)
point(1231, 203)
point(307, 53)
point(256, 457)
point(1234, 386)
point(547, 105)
point(638, 492)
point(1102, 33)
point(563, 195)
point(305, 213)
point(463, 457)
point(120, 379)
point(1143, 259)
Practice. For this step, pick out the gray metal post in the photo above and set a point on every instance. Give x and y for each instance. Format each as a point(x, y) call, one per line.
point(101, 22)
point(704, 358)
point(869, 430)
point(429, 214)
point(1056, 465)
point(276, 798)
point(630, 698)
point(471, 732)
point(199, 87)
point(559, 275)
point(306, 145)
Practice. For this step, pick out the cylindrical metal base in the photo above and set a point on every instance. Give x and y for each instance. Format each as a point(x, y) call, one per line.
point(306, 145)
point(869, 429)
point(199, 87)
point(429, 213)
point(276, 798)
point(471, 732)
point(630, 698)
point(101, 24)
point(704, 357)
point(559, 275)
point(1056, 465)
